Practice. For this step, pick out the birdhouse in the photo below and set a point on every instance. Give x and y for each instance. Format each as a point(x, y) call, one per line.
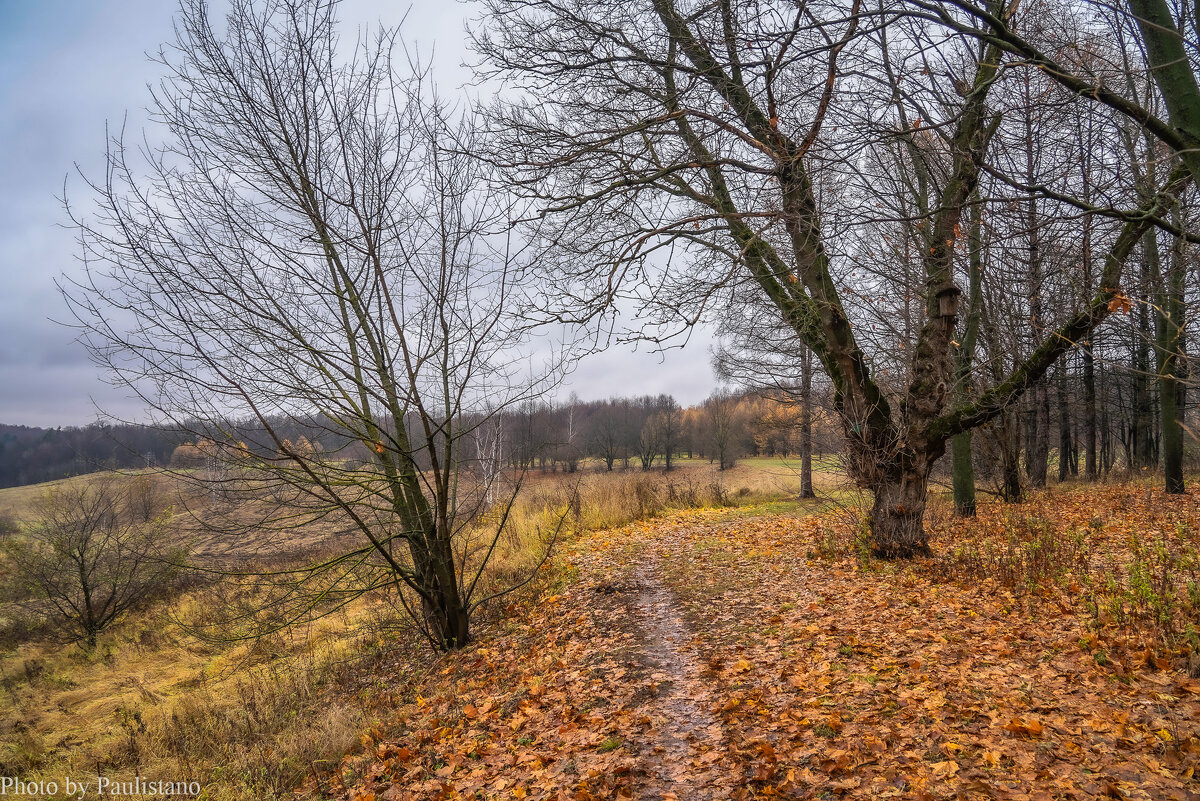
point(947, 299)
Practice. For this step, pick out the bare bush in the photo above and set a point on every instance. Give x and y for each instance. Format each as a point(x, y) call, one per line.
point(87, 560)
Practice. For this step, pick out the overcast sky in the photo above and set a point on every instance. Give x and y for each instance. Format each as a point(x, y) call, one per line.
point(68, 67)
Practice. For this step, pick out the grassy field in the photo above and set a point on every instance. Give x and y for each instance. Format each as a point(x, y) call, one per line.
point(249, 718)
point(17, 503)
point(256, 718)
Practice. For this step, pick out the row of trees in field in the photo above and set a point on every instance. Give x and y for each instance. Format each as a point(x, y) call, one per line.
point(646, 432)
point(926, 210)
point(654, 431)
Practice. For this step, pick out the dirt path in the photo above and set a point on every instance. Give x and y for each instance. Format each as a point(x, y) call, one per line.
point(688, 761)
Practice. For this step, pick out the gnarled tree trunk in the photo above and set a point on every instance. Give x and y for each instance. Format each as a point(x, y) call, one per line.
point(898, 513)
point(444, 615)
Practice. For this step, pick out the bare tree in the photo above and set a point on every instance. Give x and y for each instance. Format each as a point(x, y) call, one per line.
point(488, 439)
point(313, 247)
point(649, 442)
point(1171, 346)
point(693, 146)
point(608, 437)
point(720, 411)
point(88, 559)
point(669, 420)
point(570, 448)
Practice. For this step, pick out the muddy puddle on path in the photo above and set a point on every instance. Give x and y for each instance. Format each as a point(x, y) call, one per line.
point(688, 759)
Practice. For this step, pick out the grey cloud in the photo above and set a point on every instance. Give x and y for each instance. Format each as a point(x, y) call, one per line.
point(66, 68)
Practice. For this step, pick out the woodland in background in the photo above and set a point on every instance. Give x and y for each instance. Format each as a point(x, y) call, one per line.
point(1122, 433)
point(30, 455)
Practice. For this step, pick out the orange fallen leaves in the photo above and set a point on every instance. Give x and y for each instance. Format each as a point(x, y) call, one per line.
point(1026, 727)
point(821, 678)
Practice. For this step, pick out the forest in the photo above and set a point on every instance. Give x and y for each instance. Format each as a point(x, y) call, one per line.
point(30, 455)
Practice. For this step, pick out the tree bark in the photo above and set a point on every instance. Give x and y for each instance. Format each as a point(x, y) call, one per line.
point(1171, 68)
point(897, 515)
point(1037, 449)
point(1091, 465)
point(806, 370)
point(446, 617)
point(1143, 446)
point(963, 474)
point(1036, 456)
point(1064, 425)
point(1169, 324)
point(1011, 489)
point(962, 466)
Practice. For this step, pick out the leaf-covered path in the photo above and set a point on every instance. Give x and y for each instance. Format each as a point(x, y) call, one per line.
point(703, 657)
point(686, 758)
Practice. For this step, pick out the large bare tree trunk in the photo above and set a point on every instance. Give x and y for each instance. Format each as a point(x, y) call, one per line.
point(445, 617)
point(1142, 447)
point(1091, 458)
point(1037, 436)
point(962, 456)
point(898, 513)
point(962, 473)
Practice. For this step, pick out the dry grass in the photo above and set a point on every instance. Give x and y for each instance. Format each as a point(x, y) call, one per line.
point(247, 719)
point(611, 499)
point(18, 503)
point(253, 719)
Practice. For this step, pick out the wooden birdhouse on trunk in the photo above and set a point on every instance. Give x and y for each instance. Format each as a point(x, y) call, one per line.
point(947, 301)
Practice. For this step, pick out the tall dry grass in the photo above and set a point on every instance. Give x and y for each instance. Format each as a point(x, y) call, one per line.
point(248, 720)
point(599, 500)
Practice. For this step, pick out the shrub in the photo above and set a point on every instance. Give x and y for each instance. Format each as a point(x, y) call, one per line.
point(85, 562)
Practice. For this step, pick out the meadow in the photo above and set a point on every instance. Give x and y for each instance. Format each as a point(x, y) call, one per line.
point(693, 629)
point(256, 718)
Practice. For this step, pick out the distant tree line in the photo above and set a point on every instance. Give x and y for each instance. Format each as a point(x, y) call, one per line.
point(652, 431)
point(645, 432)
point(30, 455)
point(1121, 432)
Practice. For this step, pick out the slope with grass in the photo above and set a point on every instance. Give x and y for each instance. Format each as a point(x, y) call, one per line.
point(254, 719)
